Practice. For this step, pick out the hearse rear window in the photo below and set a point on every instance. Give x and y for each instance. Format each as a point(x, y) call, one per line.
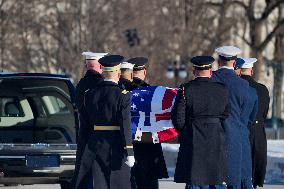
point(10, 107)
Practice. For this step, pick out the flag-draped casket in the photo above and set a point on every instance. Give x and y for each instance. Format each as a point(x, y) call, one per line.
point(151, 112)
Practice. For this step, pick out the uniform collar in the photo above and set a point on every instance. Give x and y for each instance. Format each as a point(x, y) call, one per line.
point(111, 80)
point(226, 67)
point(247, 77)
point(138, 80)
point(225, 71)
point(92, 73)
point(202, 79)
point(124, 80)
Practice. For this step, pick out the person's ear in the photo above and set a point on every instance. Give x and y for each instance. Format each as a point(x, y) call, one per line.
point(145, 72)
point(131, 76)
point(251, 72)
point(210, 72)
point(234, 64)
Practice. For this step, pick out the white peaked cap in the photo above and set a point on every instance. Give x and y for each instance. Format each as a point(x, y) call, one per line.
point(248, 62)
point(126, 65)
point(228, 51)
point(93, 56)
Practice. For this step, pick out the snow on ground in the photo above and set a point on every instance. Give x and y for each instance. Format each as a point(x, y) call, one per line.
point(275, 160)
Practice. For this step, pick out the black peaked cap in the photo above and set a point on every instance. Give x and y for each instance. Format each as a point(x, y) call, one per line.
point(111, 60)
point(138, 61)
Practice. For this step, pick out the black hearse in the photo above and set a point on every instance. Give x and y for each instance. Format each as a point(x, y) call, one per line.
point(38, 122)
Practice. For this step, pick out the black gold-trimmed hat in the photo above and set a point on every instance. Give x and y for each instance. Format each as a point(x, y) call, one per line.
point(202, 62)
point(139, 63)
point(111, 63)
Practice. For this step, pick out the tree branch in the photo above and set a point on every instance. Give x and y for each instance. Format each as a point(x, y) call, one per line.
point(271, 35)
point(240, 3)
point(251, 10)
point(244, 39)
point(270, 7)
point(215, 4)
point(2, 3)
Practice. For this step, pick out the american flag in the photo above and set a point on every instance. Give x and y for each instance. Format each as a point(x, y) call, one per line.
point(151, 112)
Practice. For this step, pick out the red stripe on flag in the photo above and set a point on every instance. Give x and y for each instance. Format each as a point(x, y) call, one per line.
point(167, 134)
point(168, 98)
point(164, 116)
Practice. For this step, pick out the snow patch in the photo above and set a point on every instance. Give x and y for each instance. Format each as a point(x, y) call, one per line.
point(275, 160)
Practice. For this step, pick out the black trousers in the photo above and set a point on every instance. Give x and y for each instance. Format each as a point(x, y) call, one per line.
point(140, 180)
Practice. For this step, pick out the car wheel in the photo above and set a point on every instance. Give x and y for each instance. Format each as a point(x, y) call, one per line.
point(65, 185)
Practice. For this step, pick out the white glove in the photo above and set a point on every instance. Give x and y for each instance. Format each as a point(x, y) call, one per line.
point(130, 161)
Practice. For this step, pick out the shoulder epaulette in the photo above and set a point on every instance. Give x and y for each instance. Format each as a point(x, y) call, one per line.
point(124, 92)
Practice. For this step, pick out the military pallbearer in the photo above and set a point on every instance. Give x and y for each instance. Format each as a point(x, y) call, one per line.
point(92, 77)
point(247, 119)
point(257, 130)
point(198, 114)
point(126, 77)
point(238, 93)
point(105, 115)
point(150, 164)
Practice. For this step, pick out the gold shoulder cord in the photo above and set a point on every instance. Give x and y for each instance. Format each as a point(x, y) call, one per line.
point(124, 92)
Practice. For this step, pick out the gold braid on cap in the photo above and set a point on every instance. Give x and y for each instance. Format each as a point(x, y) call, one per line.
point(203, 66)
point(138, 68)
point(111, 69)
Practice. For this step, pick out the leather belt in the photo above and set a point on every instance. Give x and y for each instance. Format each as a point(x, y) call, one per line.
point(106, 128)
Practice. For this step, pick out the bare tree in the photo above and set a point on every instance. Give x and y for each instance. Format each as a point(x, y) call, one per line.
point(279, 67)
point(255, 23)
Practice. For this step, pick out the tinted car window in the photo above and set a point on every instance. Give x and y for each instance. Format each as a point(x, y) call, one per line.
point(55, 105)
point(10, 107)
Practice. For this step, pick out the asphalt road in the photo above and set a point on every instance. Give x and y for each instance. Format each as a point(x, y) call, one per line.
point(163, 185)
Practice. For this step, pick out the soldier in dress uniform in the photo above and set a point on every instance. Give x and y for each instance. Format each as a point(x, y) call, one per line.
point(247, 118)
point(92, 76)
point(238, 93)
point(89, 81)
point(198, 114)
point(150, 164)
point(126, 77)
point(257, 130)
point(105, 122)
point(139, 71)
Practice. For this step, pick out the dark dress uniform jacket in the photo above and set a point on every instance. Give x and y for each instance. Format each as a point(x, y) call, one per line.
point(238, 91)
point(198, 115)
point(126, 84)
point(150, 163)
point(89, 81)
point(257, 133)
point(105, 154)
point(247, 118)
